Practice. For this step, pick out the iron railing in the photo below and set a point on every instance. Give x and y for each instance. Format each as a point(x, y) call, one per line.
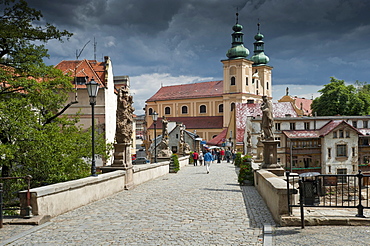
point(330, 191)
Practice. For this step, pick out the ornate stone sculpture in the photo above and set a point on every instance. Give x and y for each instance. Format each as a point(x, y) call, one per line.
point(124, 116)
point(164, 128)
point(267, 119)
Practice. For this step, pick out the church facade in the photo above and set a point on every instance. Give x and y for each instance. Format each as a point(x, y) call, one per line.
point(207, 108)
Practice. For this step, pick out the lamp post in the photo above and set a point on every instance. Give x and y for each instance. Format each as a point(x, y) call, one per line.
point(92, 90)
point(155, 118)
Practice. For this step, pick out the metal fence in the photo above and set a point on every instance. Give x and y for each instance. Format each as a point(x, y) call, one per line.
point(6, 205)
point(330, 191)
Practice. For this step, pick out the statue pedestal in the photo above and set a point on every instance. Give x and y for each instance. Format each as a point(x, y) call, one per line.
point(270, 157)
point(122, 161)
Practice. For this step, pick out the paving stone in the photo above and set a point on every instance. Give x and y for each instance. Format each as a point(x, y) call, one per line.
point(187, 208)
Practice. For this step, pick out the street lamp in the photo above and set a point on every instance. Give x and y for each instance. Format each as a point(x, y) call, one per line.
point(92, 90)
point(155, 118)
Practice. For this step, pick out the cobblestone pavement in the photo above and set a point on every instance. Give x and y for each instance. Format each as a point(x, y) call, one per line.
point(187, 208)
point(322, 235)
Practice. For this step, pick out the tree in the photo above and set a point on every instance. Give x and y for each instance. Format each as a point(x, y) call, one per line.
point(339, 99)
point(35, 138)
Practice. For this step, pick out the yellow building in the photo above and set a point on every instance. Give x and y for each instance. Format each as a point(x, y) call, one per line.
point(207, 107)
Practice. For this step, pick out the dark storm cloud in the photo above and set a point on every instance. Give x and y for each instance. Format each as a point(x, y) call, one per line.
point(307, 40)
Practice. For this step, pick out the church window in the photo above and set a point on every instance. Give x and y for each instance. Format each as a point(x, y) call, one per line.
point(184, 109)
point(221, 108)
point(257, 92)
point(232, 106)
point(267, 85)
point(150, 111)
point(203, 109)
point(167, 110)
point(246, 80)
point(232, 81)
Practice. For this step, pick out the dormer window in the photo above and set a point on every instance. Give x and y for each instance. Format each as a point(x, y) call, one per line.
point(81, 80)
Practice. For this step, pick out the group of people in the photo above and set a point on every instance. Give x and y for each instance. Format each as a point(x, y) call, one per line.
point(211, 155)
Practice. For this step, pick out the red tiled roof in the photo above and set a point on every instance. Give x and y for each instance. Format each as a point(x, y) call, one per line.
point(323, 131)
point(202, 122)
point(302, 134)
point(243, 110)
point(196, 90)
point(306, 105)
point(89, 68)
point(218, 139)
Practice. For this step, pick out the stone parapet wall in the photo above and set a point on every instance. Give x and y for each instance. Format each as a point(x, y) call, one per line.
point(56, 199)
point(273, 190)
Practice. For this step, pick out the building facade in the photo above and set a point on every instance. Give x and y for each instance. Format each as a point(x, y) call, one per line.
point(196, 105)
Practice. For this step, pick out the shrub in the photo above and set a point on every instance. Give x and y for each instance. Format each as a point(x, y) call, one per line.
point(238, 159)
point(246, 171)
point(175, 164)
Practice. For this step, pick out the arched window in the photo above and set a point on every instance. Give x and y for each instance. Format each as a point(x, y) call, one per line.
point(202, 109)
point(246, 80)
point(184, 109)
point(150, 111)
point(221, 108)
point(232, 82)
point(167, 110)
point(232, 106)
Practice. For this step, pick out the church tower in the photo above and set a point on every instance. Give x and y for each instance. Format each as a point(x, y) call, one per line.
point(244, 80)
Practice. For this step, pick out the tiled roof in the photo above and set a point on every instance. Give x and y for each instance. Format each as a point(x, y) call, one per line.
point(218, 139)
point(365, 131)
point(302, 134)
point(323, 131)
point(243, 110)
point(306, 105)
point(89, 68)
point(196, 90)
point(328, 127)
point(202, 122)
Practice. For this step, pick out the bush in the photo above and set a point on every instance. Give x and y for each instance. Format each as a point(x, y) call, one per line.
point(191, 160)
point(246, 171)
point(174, 164)
point(238, 159)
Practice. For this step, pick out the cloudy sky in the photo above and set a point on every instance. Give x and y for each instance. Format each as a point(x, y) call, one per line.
point(168, 42)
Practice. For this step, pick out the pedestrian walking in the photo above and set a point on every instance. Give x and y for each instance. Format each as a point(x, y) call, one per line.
point(222, 153)
point(228, 155)
point(207, 160)
point(195, 158)
point(201, 158)
point(218, 156)
point(233, 155)
point(214, 157)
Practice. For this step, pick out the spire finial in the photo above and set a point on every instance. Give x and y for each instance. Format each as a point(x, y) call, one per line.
point(258, 25)
point(237, 15)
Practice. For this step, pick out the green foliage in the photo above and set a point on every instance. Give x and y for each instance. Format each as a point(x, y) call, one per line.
point(35, 139)
point(175, 164)
point(191, 160)
point(246, 171)
point(238, 159)
point(339, 99)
